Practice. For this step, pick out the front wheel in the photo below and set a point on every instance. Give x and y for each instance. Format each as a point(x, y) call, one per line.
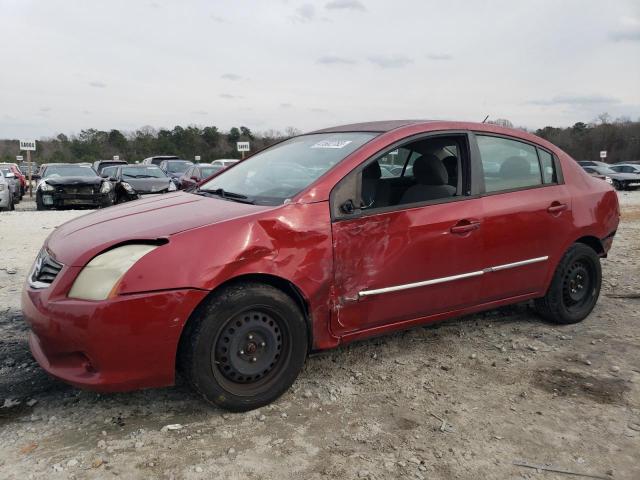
point(244, 347)
point(575, 287)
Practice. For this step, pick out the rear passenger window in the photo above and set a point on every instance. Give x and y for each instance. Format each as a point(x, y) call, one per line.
point(508, 164)
point(548, 168)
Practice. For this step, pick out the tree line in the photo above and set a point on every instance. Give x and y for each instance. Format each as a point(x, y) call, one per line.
point(583, 141)
point(620, 138)
point(186, 142)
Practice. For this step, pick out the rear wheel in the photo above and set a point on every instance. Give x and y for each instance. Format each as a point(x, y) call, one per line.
point(575, 287)
point(245, 347)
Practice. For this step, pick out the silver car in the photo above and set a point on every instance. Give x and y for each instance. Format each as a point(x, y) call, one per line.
point(6, 195)
point(14, 183)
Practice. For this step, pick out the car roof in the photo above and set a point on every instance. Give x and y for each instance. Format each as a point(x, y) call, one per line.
point(377, 126)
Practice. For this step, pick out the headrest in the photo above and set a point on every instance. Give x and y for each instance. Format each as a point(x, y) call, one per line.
point(515, 167)
point(429, 170)
point(372, 171)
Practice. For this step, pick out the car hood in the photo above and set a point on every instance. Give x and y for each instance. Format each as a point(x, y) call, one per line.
point(148, 184)
point(77, 241)
point(73, 180)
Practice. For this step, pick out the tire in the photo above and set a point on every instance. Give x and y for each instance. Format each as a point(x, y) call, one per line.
point(618, 185)
point(575, 287)
point(244, 347)
point(39, 204)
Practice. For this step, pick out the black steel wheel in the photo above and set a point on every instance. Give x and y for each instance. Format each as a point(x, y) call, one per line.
point(249, 350)
point(575, 286)
point(244, 346)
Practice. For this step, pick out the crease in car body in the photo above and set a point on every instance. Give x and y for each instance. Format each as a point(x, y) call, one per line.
point(301, 274)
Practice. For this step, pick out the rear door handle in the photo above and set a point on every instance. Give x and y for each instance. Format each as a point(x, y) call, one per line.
point(465, 226)
point(557, 207)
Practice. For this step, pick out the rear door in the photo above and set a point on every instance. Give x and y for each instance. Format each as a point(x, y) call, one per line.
point(527, 217)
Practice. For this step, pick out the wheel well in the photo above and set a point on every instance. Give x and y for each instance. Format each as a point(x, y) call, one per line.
point(593, 242)
point(277, 282)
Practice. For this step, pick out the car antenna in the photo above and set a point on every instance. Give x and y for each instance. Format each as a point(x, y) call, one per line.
point(485, 119)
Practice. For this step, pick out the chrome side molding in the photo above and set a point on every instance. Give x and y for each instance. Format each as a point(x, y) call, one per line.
point(453, 278)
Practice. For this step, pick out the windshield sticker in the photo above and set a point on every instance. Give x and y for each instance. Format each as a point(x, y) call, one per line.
point(332, 144)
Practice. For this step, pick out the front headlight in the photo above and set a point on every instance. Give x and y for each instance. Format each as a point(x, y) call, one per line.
point(45, 187)
point(99, 278)
point(128, 187)
point(105, 188)
point(172, 187)
point(608, 179)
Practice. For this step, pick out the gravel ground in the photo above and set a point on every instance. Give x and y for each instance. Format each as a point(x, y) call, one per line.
point(463, 399)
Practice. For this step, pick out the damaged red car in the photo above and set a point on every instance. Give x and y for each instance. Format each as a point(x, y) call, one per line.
point(322, 239)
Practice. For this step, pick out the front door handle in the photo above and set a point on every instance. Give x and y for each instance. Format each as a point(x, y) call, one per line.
point(557, 207)
point(465, 226)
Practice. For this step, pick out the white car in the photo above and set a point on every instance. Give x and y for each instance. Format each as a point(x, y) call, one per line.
point(6, 195)
point(225, 162)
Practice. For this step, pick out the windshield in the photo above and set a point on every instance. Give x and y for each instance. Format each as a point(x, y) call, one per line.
point(150, 171)
point(69, 171)
point(178, 167)
point(278, 173)
point(109, 171)
point(208, 171)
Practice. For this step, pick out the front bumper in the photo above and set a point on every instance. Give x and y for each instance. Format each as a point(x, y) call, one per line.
point(125, 343)
point(61, 200)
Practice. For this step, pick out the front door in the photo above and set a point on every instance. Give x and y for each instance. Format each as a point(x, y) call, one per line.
point(413, 251)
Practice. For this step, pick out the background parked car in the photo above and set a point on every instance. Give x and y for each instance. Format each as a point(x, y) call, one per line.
point(225, 162)
point(6, 196)
point(71, 185)
point(13, 182)
point(98, 165)
point(198, 172)
point(175, 169)
point(132, 181)
point(626, 168)
point(158, 159)
point(592, 163)
point(22, 181)
point(620, 181)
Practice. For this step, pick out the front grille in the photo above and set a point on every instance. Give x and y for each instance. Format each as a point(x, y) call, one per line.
point(45, 270)
point(77, 190)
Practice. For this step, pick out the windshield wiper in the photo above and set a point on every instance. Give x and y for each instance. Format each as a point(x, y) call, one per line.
point(236, 197)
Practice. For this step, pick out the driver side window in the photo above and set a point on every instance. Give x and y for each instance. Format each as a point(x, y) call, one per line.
point(425, 170)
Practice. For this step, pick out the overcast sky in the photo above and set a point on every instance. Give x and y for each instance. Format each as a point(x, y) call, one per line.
point(69, 65)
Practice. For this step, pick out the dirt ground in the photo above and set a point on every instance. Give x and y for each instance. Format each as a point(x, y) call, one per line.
point(463, 399)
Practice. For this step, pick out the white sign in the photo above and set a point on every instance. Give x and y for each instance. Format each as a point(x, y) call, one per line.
point(19, 158)
point(28, 145)
point(197, 158)
point(243, 146)
point(603, 154)
point(116, 157)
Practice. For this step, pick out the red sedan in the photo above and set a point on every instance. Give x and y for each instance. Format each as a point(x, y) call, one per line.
point(306, 246)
